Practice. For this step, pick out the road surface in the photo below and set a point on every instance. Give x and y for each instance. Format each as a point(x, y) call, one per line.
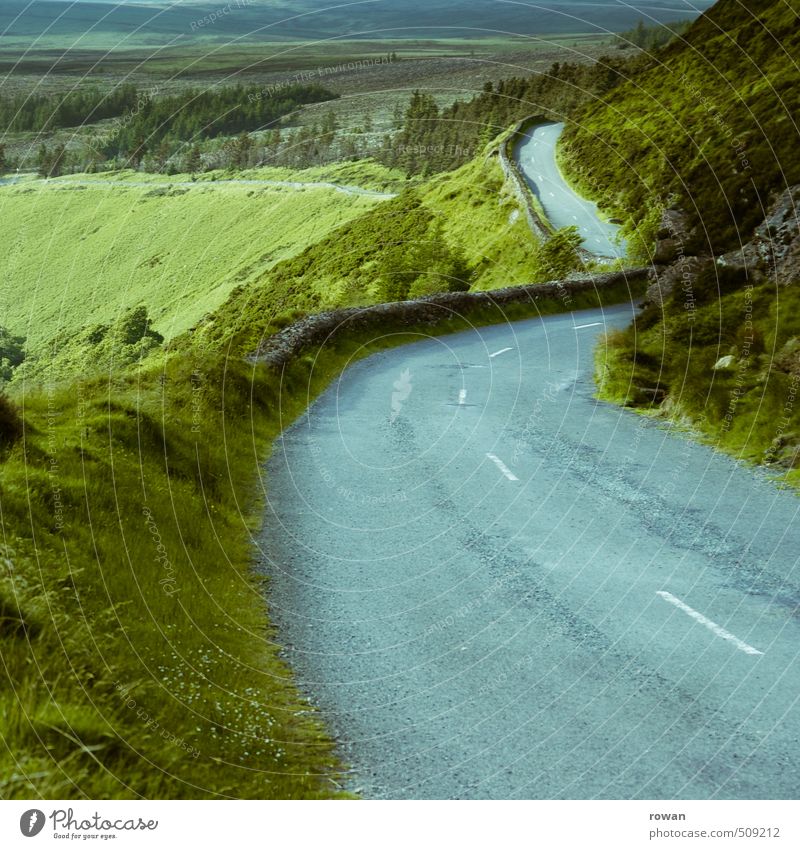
point(535, 154)
point(494, 586)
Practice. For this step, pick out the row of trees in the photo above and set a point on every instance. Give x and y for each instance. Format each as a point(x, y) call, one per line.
point(434, 139)
point(193, 116)
point(44, 112)
point(301, 147)
point(651, 37)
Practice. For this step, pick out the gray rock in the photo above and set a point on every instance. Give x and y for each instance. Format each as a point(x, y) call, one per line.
point(774, 251)
point(678, 275)
point(673, 236)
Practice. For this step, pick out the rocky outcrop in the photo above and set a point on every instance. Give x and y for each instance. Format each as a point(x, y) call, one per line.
point(788, 358)
point(774, 251)
point(676, 276)
point(673, 236)
point(320, 329)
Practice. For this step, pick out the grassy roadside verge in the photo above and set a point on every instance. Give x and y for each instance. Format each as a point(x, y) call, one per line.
point(138, 659)
point(729, 372)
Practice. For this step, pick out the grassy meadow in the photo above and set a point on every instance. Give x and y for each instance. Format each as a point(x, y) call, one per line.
point(81, 251)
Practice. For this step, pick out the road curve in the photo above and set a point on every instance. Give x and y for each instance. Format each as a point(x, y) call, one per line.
point(535, 153)
point(495, 586)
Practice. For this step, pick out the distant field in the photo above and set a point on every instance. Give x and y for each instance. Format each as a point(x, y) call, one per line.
point(359, 72)
point(77, 255)
point(44, 24)
point(265, 57)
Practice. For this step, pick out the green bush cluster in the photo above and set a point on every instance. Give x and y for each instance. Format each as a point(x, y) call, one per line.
point(98, 348)
point(12, 353)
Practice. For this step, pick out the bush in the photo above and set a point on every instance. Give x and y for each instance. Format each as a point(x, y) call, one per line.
point(11, 425)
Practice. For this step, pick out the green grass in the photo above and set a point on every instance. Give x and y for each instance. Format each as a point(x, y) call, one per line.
point(137, 656)
point(138, 659)
point(78, 255)
point(479, 217)
point(750, 409)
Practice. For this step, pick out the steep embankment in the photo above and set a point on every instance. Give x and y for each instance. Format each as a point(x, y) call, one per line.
point(713, 120)
point(461, 230)
point(701, 151)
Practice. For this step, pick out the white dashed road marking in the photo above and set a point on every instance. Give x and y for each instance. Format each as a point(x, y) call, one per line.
point(501, 351)
point(503, 467)
point(712, 626)
point(593, 324)
point(462, 396)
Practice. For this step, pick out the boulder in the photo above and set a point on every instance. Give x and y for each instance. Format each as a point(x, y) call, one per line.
point(725, 363)
point(680, 273)
point(673, 235)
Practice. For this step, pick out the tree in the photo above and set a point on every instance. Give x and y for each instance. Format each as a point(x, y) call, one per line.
point(43, 161)
point(329, 127)
point(240, 151)
point(58, 160)
point(194, 161)
point(12, 353)
point(137, 152)
point(50, 163)
point(3, 162)
point(162, 154)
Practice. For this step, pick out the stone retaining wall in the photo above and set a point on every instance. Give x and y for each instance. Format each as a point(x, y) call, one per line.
point(316, 330)
point(516, 179)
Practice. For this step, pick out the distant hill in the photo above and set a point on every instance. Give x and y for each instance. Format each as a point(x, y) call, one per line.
point(133, 23)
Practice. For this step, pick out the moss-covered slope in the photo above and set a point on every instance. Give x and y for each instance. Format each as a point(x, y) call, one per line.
point(713, 120)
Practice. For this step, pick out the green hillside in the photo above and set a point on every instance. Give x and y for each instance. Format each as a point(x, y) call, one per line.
point(129, 495)
point(81, 251)
point(461, 230)
point(709, 128)
point(712, 121)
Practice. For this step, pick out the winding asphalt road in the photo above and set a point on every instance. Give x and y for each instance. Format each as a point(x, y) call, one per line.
point(535, 154)
point(495, 586)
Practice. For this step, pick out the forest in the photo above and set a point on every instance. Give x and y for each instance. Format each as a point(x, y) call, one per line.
point(195, 115)
point(434, 140)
